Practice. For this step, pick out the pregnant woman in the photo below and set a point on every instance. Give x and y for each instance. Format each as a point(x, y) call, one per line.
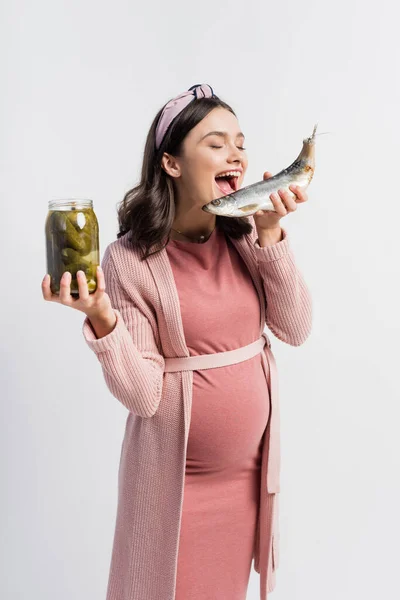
point(177, 324)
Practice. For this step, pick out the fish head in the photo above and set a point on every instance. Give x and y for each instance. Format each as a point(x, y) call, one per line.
point(225, 206)
point(232, 206)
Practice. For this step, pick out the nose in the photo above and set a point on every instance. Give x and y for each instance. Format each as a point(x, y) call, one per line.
point(235, 155)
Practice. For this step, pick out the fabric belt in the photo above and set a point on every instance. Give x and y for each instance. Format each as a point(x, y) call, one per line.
point(216, 359)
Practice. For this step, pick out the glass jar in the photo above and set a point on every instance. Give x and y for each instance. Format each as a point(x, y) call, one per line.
point(72, 243)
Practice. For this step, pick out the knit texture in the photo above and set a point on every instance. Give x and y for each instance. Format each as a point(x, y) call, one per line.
point(153, 455)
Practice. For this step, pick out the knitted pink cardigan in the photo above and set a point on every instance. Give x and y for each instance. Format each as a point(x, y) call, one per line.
point(153, 455)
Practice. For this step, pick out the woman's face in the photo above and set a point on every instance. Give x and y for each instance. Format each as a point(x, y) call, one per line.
point(213, 147)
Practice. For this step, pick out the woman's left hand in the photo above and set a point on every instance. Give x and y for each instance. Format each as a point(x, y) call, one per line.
point(283, 204)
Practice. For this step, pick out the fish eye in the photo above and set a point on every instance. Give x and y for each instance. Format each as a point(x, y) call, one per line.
point(216, 202)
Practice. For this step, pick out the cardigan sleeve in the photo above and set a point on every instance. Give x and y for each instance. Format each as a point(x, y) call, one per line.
point(288, 299)
point(132, 366)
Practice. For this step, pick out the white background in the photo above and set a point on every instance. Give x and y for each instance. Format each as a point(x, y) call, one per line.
point(81, 83)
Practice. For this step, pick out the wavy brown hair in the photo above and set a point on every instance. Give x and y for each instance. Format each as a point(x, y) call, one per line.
point(147, 211)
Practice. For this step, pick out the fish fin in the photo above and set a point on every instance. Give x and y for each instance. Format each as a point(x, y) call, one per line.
point(249, 207)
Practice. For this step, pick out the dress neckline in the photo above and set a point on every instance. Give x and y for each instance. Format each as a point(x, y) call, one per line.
point(194, 244)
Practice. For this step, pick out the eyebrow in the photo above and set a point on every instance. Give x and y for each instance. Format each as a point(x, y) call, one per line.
point(221, 134)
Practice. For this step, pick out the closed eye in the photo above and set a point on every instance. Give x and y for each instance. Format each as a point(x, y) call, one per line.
point(239, 147)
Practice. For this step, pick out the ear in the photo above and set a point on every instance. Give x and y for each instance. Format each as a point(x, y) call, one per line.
point(170, 165)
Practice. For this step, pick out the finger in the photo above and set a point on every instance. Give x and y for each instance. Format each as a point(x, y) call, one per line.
point(300, 194)
point(278, 204)
point(101, 284)
point(46, 290)
point(267, 175)
point(287, 200)
point(82, 285)
point(65, 288)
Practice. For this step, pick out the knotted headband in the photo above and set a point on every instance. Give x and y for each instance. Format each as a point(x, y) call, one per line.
point(176, 105)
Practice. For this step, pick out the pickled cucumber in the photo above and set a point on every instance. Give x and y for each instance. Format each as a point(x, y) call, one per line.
point(79, 241)
point(69, 255)
point(92, 286)
point(58, 222)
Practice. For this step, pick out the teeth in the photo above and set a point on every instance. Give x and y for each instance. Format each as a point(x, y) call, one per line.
point(229, 173)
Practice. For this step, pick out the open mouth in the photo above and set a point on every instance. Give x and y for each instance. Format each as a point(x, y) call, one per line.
point(227, 183)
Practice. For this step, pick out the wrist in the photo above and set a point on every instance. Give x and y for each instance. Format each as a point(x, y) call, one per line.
point(270, 236)
point(105, 316)
point(103, 323)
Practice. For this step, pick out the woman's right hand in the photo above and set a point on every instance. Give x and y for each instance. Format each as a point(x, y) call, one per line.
point(95, 306)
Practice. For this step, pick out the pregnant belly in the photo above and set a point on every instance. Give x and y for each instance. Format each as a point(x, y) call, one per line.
point(230, 410)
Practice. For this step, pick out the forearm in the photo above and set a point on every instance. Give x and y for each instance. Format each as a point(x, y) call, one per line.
point(135, 381)
point(124, 343)
point(289, 305)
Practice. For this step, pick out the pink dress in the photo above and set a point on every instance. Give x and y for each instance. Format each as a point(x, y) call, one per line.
point(220, 311)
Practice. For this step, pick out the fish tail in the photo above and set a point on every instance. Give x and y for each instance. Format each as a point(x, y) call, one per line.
point(310, 140)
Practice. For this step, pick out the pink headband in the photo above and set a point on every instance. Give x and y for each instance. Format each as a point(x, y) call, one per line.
point(176, 105)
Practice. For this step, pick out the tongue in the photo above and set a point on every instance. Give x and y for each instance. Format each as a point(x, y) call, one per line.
point(224, 186)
